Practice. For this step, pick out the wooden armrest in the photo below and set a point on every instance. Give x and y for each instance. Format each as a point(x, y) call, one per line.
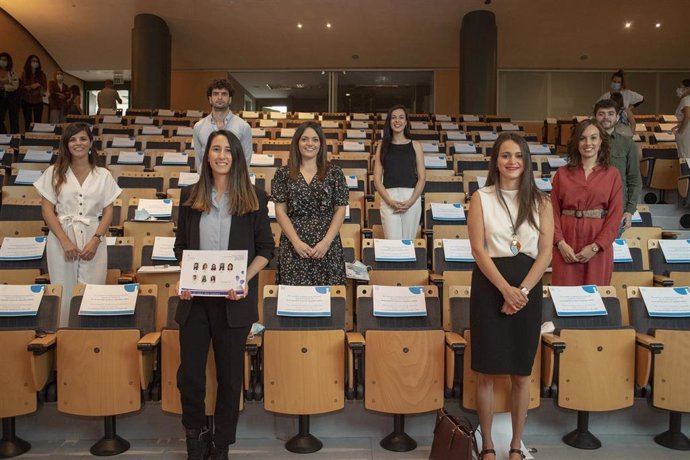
point(42, 279)
point(367, 232)
point(355, 340)
point(127, 278)
point(149, 341)
point(116, 230)
point(436, 279)
point(647, 347)
point(161, 195)
point(455, 341)
point(651, 343)
point(661, 280)
point(254, 340)
point(669, 235)
point(553, 341)
point(40, 345)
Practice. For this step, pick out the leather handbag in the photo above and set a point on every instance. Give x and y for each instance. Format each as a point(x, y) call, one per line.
point(453, 438)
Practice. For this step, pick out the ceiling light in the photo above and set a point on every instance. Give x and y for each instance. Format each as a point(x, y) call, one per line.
point(299, 85)
point(657, 25)
point(628, 25)
point(328, 25)
point(299, 25)
point(347, 94)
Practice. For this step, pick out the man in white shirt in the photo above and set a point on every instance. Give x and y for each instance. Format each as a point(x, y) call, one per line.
point(220, 94)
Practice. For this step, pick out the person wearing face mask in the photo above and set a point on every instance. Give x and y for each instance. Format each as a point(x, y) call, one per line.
point(631, 99)
point(59, 97)
point(682, 130)
point(9, 94)
point(33, 84)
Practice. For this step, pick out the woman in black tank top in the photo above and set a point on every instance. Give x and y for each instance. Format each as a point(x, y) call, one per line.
point(399, 177)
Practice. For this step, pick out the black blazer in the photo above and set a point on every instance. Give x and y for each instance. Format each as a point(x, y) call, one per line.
point(251, 232)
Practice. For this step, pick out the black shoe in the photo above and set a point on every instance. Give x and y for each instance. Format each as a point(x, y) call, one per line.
point(219, 453)
point(198, 444)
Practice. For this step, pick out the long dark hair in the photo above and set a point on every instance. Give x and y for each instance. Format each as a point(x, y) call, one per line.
point(9, 60)
point(242, 196)
point(295, 158)
point(388, 131)
point(64, 158)
point(621, 74)
point(604, 155)
point(529, 195)
point(28, 71)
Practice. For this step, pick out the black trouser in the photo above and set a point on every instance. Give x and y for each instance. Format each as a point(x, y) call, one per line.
point(32, 109)
point(9, 103)
point(207, 321)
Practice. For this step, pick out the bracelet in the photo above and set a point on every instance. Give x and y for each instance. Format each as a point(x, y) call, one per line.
point(524, 290)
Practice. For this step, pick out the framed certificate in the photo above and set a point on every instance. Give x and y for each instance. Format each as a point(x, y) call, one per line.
point(621, 251)
point(123, 142)
point(103, 300)
point(304, 301)
point(394, 251)
point(399, 301)
point(448, 211)
point(163, 248)
point(175, 158)
point(23, 248)
point(213, 273)
point(577, 300)
point(675, 251)
point(456, 250)
point(20, 300)
point(666, 301)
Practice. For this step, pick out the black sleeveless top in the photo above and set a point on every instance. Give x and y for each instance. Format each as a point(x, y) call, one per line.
point(400, 166)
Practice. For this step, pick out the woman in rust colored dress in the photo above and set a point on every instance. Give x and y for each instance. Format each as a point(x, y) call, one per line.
point(587, 208)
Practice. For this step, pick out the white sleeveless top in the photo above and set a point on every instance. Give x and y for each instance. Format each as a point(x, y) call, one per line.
point(498, 231)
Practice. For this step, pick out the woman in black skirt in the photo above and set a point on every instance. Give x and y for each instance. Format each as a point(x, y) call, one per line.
point(511, 232)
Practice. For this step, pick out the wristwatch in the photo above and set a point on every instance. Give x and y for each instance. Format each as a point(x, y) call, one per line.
point(524, 290)
point(101, 238)
point(595, 247)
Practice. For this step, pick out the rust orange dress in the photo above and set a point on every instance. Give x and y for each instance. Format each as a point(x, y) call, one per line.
point(571, 190)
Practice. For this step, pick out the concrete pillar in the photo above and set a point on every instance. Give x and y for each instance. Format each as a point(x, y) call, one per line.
point(150, 63)
point(478, 63)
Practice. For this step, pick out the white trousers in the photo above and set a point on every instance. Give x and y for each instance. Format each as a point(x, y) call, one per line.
point(401, 226)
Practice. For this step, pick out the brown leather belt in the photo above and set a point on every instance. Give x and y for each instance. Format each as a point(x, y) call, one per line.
point(585, 213)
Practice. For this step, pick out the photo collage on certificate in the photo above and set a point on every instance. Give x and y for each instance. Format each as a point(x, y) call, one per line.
point(213, 273)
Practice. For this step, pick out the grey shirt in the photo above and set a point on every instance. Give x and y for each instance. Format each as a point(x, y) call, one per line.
point(204, 127)
point(214, 226)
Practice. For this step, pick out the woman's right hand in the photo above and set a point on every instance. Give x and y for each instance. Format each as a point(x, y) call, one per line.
point(71, 250)
point(303, 249)
point(567, 252)
point(184, 295)
point(514, 297)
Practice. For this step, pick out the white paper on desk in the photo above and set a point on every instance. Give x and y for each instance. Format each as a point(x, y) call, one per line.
point(109, 299)
point(184, 131)
point(38, 156)
point(23, 248)
point(248, 115)
point(667, 127)
point(277, 115)
point(157, 208)
point(665, 137)
point(330, 124)
point(543, 184)
point(577, 300)
point(304, 301)
point(419, 125)
point(509, 127)
point(456, 136)
point(637, 138)
point(5, 139)
point(394, 251)
point(258, 132)
point(551, 121)
point(442, 117)
point(252, 178)
point(262, 160)
point(305, 116)
point(487, 136)
point(675, 251)
point(163, 248)
point(557, 162)
point(107, 111)
point(457, 250)
point(43, 128)
point(359, 124)
point(429, 147)
point(27, 176)
point(539, 149)
point(130, 158)
point(470, 118)
point(580, 118)
point(360, 116)
point(355, 134)
point(195, 113)
point(151, 131)
point(110, 240)
point(111, 119)
point(159, 269)
point(166, 113)
point(123, 142)
point(621, 251)
point(271, 209)
point(450, 127)
point(351, 181)
point(481, 181)
point(447, 211)
point(287, 133)
point(21, 300)
point(636, 217)
point(666, 301)
point(213, 273)
point(353, 146)
point(464, 147)
point(175, 158)
point(669, 119)
point(398, 301)
point(187, 178)
point(435, 161)
point(640, 128)
point(265, 123)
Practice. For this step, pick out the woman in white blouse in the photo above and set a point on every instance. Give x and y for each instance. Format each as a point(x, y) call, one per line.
point(75, 191)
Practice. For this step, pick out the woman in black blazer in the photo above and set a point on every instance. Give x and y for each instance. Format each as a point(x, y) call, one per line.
point(222, 211)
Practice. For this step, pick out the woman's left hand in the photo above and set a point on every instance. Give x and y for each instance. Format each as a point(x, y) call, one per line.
point(320, 249)
point(508, 310)
point(585, 254)
point(89, 250)
point(232, 295)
